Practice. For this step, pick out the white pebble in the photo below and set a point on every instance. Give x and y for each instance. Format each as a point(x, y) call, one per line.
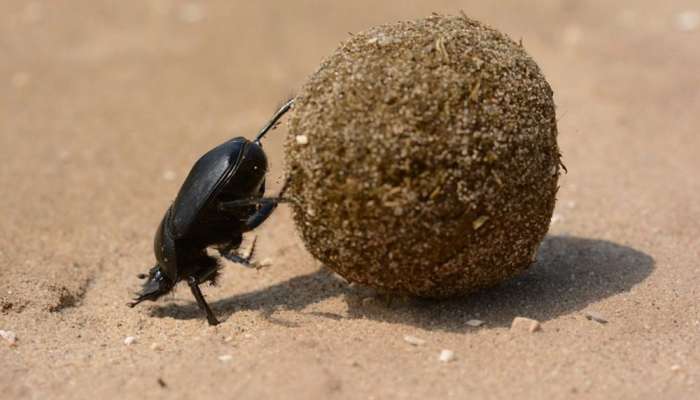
point(384, 40)
point(555, 218)
point(597, 317)
point(414, 340)
point(9, 336)
point(475, 323)
point(521, 324)
point(381, 40)
point(129, 340)
point(156, 346)
point(447, 356)
point(225, 358)
point(688, 21)
point(302, 139)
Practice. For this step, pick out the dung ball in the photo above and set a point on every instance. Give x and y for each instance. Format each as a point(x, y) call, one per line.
point(423, 158)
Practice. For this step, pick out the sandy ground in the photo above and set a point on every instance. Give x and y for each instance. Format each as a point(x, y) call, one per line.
point(105, 106)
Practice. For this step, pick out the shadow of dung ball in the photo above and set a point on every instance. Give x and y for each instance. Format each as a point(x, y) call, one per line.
point(423, 158)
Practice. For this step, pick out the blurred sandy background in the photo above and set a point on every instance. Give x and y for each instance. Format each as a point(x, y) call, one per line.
point(104, 106)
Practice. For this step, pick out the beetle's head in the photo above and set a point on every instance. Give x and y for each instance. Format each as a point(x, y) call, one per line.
point(156, 285)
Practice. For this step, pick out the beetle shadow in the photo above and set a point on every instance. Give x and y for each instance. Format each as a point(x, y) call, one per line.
point(570, 273)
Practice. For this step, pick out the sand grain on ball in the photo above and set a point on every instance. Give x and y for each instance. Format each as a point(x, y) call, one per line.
point(430, 163)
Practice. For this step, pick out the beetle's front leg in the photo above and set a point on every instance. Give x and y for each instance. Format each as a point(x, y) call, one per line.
point(263, 213)
point(266, 205)
point(235, 205)
point(197, 293)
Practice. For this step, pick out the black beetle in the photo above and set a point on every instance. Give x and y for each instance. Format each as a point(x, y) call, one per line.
point(221, 199)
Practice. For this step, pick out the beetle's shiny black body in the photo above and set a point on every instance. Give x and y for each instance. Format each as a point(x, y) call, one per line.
point(221, 199)
point(234, 170)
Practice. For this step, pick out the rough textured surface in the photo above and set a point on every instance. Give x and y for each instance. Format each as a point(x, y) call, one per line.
point(430, 163)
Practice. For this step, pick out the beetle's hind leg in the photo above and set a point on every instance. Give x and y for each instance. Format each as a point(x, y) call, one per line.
point(197, 293)
point(229, 253)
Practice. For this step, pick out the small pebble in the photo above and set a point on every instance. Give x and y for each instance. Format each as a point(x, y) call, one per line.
point(368, 301)
point(9, 336)
point(156, 346)
point(555, 218)
point(447, 356)
point(597, 317)
point(688, 21)
point(414, 340)
point(129, 340)
point(675, 367)
point(302, 139)
point(475, 323)
point(525, 324)
point(225, 358)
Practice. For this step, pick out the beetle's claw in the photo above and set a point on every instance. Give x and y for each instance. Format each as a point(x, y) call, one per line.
point(252, 250)
point(133, 304)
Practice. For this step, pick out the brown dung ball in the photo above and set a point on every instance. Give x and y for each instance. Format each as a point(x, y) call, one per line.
point(423, 158)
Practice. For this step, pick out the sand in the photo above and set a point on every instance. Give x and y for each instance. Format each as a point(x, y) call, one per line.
point(105, 107)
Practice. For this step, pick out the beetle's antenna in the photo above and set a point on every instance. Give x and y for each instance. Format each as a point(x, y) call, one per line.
point(274, 120)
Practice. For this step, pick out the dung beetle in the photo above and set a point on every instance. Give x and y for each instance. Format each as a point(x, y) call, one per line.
point(220, 200)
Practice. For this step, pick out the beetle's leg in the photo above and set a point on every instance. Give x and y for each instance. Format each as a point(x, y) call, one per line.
point(194, 286)
point(229, 253)
point(261, 215)
point(235, 205)
point(266, 209)
point(266, 204)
